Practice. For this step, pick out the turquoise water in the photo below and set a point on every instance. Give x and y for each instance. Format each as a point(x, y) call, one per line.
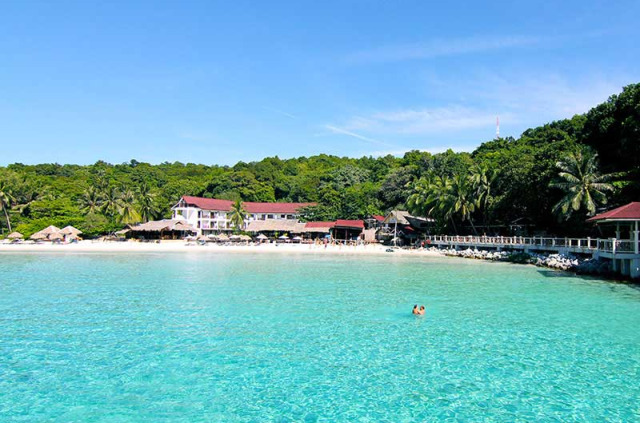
point(262, 338)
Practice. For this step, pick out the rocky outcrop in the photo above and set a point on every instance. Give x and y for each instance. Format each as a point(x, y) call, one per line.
point(568, 263)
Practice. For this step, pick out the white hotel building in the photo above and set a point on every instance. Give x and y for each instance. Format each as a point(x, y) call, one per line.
point(211, 215)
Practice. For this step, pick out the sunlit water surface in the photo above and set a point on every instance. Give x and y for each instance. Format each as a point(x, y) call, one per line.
point(262, 338)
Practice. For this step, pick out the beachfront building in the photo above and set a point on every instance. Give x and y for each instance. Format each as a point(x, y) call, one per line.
point(347, 230)
point(212, 215)
point(622, 226)
point(159, 229)
point(400, 227)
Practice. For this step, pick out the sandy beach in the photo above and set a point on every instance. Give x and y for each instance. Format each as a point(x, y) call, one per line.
point(183, 247)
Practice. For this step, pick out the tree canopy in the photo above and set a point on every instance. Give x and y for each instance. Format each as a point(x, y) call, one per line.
point(502, 181)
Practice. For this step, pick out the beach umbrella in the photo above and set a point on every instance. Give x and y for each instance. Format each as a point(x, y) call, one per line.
point(245, 238)
point(15, 235)
point(297, 238)
point(38, 235)
point(223, 237)
point(50, 230)
point(261, 237)
point(211, 236)
point(234, 237)
point(55, 236)
point(70, 230)
point(283, 237)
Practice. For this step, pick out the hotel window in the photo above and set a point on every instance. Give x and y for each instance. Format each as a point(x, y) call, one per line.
point(269, 216)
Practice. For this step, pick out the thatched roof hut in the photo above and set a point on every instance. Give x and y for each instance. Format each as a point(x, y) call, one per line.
point(15, 235)
point(46, 233)
point(161, 229)
point(70, 230)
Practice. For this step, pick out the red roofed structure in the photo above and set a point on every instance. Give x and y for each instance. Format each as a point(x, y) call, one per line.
point(629, 212)
point(211, 215)
point(250, 207)
point(355, 224)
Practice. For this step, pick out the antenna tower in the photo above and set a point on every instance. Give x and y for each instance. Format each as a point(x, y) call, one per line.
point(498, 127)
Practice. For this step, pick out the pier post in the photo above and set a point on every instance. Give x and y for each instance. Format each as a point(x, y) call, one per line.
point(635, 268)
point(636, 247)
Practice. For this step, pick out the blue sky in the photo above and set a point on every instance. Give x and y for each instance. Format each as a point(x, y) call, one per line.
point(218, 82)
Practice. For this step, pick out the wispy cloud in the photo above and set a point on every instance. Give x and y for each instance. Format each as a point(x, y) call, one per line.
point(280, 112)
point(343, 131)
point(441, 47)
point(421, 121)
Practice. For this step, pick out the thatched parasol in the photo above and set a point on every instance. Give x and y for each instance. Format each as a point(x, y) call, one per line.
point(38, 236)
point(245, 238)
point(55, 236)
point(223, 237)
point(283, 237)
point(262, 236)
point(15, 235)
point(50, 230)
point(70, 230)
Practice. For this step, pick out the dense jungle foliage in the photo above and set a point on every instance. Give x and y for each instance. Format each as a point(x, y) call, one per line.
point(548, 181)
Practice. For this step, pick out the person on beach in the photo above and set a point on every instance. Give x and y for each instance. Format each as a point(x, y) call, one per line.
point(415, 310)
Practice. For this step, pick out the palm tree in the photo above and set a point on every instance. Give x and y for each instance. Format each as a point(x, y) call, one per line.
point(582, 183)
point(127, 209)
point(6, 200)
point(110, 202)
point(146, 203)
point(463, 201)
point(432, 195)
point(91, 200)
point(238, 215)
point(482, 180)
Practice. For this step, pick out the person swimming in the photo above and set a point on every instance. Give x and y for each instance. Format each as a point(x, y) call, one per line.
point(421, 311)
point(415, 310)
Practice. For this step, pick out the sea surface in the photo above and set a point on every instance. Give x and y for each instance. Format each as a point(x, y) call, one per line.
point(302, 338)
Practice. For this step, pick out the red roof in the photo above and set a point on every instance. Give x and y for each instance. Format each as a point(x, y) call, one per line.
point(319, 224)
point(349, 223)
point(225, 205)
point(378, 218)
point(629, 212)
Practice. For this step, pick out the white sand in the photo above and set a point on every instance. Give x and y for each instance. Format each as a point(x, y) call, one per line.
point(182, 246)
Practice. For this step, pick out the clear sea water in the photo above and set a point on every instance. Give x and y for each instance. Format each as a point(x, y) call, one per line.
point(301, 338)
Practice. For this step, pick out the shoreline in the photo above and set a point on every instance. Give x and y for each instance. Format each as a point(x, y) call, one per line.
point(183, 247)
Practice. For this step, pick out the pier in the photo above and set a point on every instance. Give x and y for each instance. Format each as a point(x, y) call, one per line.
point(624, 253)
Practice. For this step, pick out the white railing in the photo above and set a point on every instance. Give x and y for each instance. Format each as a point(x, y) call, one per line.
point(610, 245)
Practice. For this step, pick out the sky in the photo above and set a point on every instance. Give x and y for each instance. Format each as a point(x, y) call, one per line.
point(217, 82)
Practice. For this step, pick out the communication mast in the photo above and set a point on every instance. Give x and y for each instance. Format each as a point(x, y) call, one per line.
point(498, 127)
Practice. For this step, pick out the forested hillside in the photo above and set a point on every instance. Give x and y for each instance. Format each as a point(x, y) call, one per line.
point(502, 181)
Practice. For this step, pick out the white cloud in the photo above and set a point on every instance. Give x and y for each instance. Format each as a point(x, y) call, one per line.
point(343, 131)
point(422, 121)
point(441, 47)
point(280, 112)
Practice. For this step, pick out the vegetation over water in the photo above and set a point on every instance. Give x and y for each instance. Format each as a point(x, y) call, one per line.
point(552, 177)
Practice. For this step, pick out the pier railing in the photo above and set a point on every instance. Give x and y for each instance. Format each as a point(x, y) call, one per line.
point(610, 245)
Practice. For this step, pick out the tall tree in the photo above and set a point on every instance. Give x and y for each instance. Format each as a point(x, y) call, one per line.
point(146, 202)
point(482, 180)
point(110, 202)
point(238, 215)
point(126, 207)
point(91, 200)
point(463, 201)
point(6, 200)
point(584, 187)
